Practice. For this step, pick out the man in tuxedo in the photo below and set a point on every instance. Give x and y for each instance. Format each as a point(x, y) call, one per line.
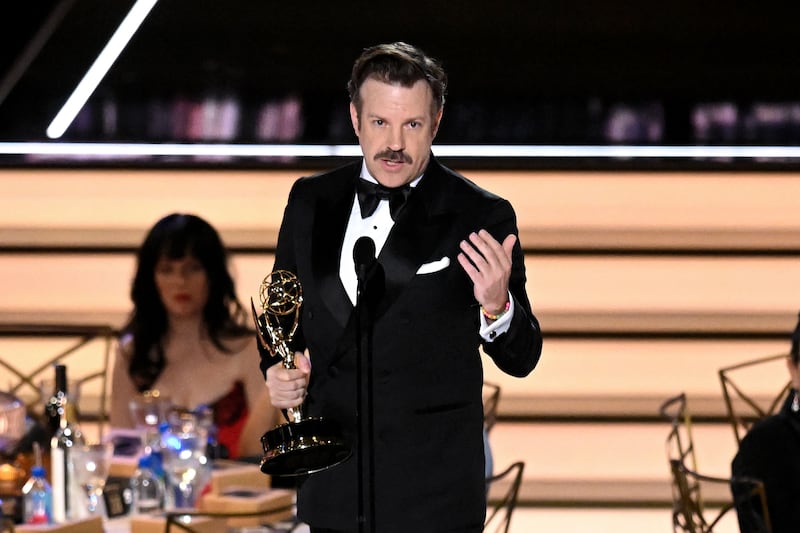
point(449, 278)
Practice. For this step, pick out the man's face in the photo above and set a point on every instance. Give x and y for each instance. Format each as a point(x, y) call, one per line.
point(395, 130)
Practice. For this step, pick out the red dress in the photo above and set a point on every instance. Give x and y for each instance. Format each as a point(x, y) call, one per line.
point(230, 416)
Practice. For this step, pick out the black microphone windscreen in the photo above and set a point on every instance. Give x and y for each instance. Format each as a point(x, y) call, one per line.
point(363, 252)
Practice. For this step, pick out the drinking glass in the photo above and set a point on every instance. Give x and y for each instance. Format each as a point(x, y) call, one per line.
point(149, 410)
point(90, 464)
point(183, 446)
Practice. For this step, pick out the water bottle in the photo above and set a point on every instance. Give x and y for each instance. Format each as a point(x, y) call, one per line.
point(148, 489)
point(37, 497)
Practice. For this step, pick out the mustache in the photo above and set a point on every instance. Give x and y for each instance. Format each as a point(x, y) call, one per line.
point(394, 155)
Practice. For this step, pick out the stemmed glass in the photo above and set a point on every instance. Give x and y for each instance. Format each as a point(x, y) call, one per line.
point(183, 446)
point(90, 465)
point(149, 410)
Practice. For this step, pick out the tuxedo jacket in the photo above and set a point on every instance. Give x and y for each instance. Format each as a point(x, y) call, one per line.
point(425, 461)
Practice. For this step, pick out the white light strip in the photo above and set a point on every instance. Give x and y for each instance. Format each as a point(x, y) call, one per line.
point(99, 68)
point(130, 150)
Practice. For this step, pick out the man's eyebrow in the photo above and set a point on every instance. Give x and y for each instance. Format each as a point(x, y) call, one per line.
point(375, 114)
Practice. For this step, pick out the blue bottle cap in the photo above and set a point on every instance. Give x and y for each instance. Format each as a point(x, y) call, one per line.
point(146, 461)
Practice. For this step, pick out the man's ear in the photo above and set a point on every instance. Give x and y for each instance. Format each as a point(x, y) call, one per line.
point(354, 117)
point(436, 121)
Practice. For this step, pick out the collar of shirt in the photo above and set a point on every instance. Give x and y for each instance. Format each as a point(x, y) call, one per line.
point(377, 227)
point(367, 176)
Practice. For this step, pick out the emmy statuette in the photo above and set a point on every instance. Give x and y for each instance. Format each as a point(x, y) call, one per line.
point(302, 445)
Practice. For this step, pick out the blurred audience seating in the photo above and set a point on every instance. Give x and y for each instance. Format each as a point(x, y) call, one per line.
point(690, 512)
point(644, 284)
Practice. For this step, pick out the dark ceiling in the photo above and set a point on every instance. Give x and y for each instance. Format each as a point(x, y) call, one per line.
point(520, 52)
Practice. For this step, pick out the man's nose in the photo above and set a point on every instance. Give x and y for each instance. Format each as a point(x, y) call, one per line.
point(396, 141)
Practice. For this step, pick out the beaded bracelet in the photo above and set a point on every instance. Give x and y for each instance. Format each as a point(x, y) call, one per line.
point(490, 316)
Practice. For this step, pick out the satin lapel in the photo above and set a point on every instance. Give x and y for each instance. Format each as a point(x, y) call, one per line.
point(417, 232)
point(328, 234)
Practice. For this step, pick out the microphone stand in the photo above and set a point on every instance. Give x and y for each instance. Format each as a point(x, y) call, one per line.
point(366, 473)
point(360, 274)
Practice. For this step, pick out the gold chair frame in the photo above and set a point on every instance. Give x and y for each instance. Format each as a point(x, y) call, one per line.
point(498, 516)
point(689, 512)
point(27, 380)
point(491, 403)
point(734, 396)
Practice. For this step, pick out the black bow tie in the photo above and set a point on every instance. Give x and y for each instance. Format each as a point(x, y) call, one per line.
point(370, 194)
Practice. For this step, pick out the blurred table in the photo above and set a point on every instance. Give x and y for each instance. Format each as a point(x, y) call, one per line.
point(123, 525)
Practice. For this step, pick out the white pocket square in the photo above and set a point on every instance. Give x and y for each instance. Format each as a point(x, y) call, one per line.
point(434, 266)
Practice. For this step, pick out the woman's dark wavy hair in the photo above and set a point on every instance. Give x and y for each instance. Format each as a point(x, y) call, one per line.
point(177, 236)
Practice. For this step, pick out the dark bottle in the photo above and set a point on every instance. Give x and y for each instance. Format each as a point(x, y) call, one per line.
point(52, 403)
point(66, 437)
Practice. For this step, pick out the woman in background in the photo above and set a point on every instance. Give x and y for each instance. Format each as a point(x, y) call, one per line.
point(188, 336)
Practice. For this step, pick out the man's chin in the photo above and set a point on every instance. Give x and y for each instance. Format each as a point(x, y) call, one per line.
point(392, 180)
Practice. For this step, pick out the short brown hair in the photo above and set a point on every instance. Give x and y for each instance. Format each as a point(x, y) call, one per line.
point(398, 63)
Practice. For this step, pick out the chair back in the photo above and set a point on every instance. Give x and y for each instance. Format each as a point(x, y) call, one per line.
point(491, 401)
point(85, 349)
point(690, 514)
point(679, 443)
point(503, 491)
point(747, 400)
point(687, 501)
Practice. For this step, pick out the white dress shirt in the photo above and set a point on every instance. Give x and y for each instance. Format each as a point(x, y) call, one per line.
point(377, 227)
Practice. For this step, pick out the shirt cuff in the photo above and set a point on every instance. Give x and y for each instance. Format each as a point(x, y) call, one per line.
point(489, 332)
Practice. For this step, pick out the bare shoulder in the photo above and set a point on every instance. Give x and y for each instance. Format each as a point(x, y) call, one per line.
point(244, 352)
point(242, 345)
point(125, 345)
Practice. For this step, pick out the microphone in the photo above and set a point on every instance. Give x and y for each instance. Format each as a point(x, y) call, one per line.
point(363, 256)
